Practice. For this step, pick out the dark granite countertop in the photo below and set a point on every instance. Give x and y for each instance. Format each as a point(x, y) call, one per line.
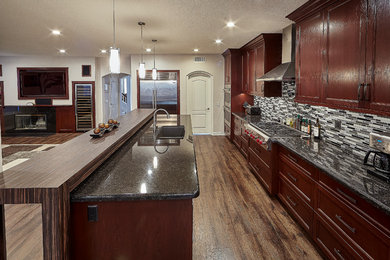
point(340, 164)
point(139, 170)
point(343, 166)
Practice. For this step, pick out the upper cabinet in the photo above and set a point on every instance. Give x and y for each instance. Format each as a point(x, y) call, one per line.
point(342, 57)
point(259, 56)
point(378, 56)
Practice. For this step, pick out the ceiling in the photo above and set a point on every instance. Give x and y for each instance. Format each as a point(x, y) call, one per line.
point(178, 25)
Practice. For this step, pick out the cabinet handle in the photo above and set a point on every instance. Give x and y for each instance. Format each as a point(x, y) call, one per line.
point(346, 196)
point(353, 230)
point(292, 177)
point(359, 88)
point(338, 253)
point(291, 201)
point(366, 94)
point(292, 158)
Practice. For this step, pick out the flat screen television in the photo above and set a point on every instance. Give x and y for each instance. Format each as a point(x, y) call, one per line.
point(43, 82)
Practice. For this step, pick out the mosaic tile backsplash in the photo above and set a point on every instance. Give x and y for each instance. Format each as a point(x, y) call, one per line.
point(355, 127)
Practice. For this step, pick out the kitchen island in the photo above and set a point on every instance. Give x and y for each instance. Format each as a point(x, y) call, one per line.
point(138, 203)
point(47, 179)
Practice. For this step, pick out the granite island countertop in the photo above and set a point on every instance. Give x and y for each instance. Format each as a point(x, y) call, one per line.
point(141, 170)
point(340, 164)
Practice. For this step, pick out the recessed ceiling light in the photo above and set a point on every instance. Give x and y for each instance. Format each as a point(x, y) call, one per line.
point(196, 50)
point(103, 51)
point(230, 24)
point(218, 41)
point(148, 50)
point(62, 51)
point(55, 32)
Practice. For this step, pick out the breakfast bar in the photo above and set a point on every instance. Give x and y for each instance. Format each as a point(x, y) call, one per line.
point(49, 178)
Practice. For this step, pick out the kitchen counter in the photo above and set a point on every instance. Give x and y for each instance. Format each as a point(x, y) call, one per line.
point(139, 170)
point(341, 165)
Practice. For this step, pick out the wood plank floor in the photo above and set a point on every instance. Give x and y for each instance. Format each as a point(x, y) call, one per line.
point(234, 218)
point(57, 138)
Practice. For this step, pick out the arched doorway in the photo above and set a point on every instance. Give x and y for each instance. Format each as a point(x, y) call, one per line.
point(199, 101)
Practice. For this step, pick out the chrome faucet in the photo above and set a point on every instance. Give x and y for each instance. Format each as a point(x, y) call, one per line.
point(154, 118)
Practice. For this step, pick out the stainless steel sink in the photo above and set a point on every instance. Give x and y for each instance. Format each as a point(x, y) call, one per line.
point(170, 132)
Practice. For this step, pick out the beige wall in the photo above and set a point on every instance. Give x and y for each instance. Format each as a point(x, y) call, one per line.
point(10, 65)
point(185, 63)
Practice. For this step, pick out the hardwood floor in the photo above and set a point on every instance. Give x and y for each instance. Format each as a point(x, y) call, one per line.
point(234, 218)
point(57, 138)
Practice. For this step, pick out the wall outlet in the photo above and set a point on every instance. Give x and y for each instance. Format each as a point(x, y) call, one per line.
point(337, 124)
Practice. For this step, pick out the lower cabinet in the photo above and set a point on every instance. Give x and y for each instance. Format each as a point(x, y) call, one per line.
point(261, 163)
point(343, 225)
point(299, 209)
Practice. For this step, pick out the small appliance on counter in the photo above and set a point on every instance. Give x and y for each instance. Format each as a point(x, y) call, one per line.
point(378, 160)
point(251, 110)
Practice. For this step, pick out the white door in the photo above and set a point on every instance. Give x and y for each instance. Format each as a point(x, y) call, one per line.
point(199, 92)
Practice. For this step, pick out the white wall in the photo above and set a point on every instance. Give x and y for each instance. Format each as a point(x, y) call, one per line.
point(185, 63)
point(10, 65)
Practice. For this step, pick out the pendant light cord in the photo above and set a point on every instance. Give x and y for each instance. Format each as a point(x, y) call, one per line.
point(113, 20)
point(154, 55)
point(142, 44)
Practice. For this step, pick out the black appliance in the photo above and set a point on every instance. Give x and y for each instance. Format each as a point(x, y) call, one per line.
point(379, 160)
point(253, 110)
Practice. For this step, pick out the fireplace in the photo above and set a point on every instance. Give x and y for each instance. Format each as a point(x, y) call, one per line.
point(30, 122)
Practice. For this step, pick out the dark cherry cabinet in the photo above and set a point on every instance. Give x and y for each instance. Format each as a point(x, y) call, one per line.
point(251, 71)
point(233, 94)
point(259, 56)
point(245, 72)
point(342, 54)
point(343, 224)
point(308, 63)
point(378, 56)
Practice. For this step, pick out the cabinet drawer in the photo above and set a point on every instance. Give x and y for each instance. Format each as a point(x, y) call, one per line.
point(237, 141)
point(261, 151)
point(301, 183)
point(356, 230)
point(244, 138)
point(262, 170)
point(376, 217)
point(331, 244)
point(303, 213)
point(244, 149)
point(306, 167)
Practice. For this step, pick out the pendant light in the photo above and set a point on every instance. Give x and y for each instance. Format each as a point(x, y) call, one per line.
point(154, 70)
point(114, 51)
point(141, 70)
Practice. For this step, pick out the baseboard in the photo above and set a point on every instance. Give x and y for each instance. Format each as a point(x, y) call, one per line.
point(218, 133)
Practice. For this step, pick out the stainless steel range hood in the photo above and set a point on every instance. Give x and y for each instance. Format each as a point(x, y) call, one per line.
point(286, 70)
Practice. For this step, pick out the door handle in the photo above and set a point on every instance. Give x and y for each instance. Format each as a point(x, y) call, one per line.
point(366, 93)
point(359, 90)
point(208, 108)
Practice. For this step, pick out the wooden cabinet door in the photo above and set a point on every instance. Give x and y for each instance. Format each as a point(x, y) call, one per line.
point(345, 52)
point(377, 88)
point(245, 72)
point(308, 65)
point(251, 72)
